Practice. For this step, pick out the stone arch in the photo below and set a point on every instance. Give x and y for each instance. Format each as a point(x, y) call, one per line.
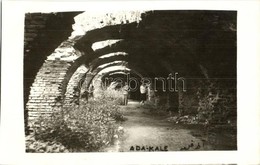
point(100, 61)
point(98, 77)
point(91, 74)
point(49, 88)
point(73, 89)
point(171, 47)
point(103, 73)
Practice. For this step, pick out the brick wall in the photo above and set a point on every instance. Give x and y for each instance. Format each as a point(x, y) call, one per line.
point(50, 85)
point(211, 99)
point(46, 91)
point(73, 88)
point(51, 63)
point(42, 34)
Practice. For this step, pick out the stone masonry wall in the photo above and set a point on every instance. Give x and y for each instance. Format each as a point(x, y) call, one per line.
point(48, 90)
point(42, 35)
point(73, 88)
point(212, 101)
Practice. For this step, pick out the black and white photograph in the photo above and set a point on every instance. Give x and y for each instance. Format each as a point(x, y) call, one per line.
point(122, 81)
point(130, 84)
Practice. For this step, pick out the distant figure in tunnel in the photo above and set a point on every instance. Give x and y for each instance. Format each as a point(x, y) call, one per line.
point(125, 93)
point(149, 92)
point(143, 93)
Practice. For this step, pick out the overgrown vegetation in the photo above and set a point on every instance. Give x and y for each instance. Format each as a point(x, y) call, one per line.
point(85, 127)
point(217, 104)
point(210, 102)
point(112, 94)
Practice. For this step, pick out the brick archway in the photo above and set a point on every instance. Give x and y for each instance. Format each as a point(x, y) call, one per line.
point(56, 75)
point(156, 44)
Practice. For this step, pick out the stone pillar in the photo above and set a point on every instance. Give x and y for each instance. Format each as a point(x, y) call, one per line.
point(46, 91)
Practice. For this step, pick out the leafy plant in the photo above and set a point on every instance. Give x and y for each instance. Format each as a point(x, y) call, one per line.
point(84, 127)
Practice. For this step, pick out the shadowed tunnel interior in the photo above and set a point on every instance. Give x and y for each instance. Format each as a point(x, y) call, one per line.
point(198, 45)
point(174, 40)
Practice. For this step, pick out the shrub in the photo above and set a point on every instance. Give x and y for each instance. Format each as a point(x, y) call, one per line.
point(84, 127)
point(215, 103)
point(111, 94)
point(33, 145)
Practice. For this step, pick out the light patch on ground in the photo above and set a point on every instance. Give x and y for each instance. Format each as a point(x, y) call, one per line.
point(146, 130)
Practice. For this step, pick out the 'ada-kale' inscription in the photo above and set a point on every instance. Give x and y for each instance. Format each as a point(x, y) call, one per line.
point(148, 148)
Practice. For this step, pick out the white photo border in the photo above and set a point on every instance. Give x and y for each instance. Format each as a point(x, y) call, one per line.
point(12, 138)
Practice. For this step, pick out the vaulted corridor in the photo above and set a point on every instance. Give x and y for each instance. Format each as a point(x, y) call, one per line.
point(187, 58)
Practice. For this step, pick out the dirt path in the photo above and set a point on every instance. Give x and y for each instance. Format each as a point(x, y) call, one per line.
point(145, 131)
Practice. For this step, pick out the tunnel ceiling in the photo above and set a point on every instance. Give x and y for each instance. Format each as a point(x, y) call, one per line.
point(167, 41)
point(196, 44)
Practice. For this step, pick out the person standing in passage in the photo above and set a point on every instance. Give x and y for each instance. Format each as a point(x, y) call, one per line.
point(149, 92)
point(125, 93)
point(143, 93)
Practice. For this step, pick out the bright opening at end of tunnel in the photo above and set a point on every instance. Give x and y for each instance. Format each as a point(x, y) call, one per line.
point(101, 44)
point(114, 54)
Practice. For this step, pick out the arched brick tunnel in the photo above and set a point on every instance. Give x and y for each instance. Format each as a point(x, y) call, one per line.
point(198, 45)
